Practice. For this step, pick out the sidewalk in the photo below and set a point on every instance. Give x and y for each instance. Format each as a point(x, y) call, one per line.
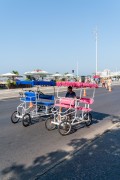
point(14, 93)
point(99, 160)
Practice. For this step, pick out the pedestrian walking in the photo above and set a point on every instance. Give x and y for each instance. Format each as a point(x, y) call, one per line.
point(109, 84)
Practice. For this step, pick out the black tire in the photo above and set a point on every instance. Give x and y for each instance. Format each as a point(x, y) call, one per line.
point(50, 126)
point(88, 118)
point(15, 119)
point(26, 121)
point(64, 128)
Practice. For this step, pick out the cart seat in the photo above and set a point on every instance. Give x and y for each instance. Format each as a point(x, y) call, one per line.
point(64, 106)
point(46, 100)
point(65, 102)
point(46, 103)
point(46, 96)
point(28, 99)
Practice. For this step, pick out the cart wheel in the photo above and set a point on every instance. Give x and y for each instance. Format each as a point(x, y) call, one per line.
point(49, 125)
point(88, 118)
point(26, 120)
point(64, 128)
point(14, 117)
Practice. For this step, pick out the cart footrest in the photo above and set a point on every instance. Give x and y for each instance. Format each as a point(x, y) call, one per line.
point(84, 109)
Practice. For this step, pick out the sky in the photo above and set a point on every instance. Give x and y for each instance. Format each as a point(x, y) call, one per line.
point(55, 35)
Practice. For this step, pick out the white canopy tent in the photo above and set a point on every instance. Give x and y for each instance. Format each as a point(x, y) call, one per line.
point(37, 73)
point(69, 75)
point(27, 73)
point(10, 75)
point(57, 75)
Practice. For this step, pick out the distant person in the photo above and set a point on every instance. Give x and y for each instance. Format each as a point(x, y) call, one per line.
point(70, 93)
point(103, 83)
point(109, 83)
point(106, 83)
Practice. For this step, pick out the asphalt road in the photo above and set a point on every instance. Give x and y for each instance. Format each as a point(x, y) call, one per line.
point(26, 153)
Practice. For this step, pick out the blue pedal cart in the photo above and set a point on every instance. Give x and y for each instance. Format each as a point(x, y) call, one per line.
point(34, 104)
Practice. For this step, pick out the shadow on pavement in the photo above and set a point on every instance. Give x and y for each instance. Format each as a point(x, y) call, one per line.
point(21, 172)
point(39, 165)
point(97, 160)
point(97, 116)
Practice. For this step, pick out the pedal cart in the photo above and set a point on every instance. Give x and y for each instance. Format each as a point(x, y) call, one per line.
point(71, 111)
point(33, 104)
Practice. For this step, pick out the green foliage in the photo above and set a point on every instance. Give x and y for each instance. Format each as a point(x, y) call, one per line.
point(11, 84)
point(15, 72)
point(8, 83)
point(28, 78)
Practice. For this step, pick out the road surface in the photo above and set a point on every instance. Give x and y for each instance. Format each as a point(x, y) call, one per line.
point(26, 153)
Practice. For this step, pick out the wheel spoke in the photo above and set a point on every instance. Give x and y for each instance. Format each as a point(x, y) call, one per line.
point(26, 120)
point(14, 117)
point(64, 128)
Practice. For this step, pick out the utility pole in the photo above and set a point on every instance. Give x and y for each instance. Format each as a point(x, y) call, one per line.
point(96, 39)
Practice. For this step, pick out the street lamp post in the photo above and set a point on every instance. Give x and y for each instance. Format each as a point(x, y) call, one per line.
point(96, 38)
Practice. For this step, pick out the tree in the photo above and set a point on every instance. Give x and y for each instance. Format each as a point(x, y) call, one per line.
point(28, 77)
point(15, 72)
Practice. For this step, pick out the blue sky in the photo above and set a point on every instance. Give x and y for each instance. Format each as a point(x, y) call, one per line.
point(54, 34)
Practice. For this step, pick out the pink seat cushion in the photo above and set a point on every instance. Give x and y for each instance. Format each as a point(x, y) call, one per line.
point(67, 101)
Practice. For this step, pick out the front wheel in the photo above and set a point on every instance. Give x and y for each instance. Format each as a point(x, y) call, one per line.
point(26, 121)
point(64, 128)
point(14, 118)
point(49, 125)
point(88, 118)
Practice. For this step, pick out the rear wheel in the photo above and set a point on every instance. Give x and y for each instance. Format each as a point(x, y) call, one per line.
point(14, 118)
point(88, 118)
point(64, 128)
point(49, 125)
point(26, 121)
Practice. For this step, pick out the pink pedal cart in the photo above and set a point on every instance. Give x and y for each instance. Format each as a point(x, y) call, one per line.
point(68, 112)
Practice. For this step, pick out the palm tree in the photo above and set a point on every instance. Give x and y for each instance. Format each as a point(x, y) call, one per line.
point(15, 72)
